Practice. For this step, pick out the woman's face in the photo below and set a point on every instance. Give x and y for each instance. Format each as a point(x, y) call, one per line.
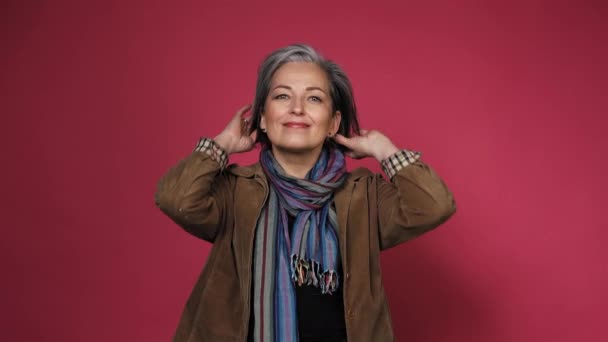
point(298, 111)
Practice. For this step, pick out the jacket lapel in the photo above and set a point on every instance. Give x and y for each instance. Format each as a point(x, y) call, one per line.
point(249, 198)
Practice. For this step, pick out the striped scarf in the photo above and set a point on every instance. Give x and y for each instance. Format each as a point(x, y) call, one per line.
point(305, 255)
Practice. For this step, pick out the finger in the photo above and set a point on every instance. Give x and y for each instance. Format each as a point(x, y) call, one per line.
point(240, 112)
point(253, 135)
point(342, 140)
point(244, 126)
point(354, 155)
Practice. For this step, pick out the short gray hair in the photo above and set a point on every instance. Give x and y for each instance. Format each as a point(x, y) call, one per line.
point(341, 91)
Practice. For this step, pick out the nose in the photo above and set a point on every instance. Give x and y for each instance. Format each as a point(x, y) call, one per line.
point(296, 106)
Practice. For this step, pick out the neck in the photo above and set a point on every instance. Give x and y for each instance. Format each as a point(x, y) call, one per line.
point(296, 164)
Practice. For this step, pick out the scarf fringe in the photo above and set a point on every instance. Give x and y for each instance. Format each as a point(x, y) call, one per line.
point(308, 272)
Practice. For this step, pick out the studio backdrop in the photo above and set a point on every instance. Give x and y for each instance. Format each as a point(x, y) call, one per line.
point(505, 100)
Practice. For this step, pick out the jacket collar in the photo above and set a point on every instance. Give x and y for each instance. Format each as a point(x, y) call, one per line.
point(342, 196)
point(252, 170)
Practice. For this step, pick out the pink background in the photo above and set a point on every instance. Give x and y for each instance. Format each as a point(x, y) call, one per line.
point(507, 101)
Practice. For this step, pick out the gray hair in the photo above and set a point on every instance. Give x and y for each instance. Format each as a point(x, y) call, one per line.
point(341, 91)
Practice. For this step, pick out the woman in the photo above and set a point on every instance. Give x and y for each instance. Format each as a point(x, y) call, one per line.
point(297, 237)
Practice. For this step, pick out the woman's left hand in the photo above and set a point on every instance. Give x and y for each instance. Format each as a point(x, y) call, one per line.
point(368, 144)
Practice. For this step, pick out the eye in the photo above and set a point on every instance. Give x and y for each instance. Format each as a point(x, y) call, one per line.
point(281, 97)
point(315, 99)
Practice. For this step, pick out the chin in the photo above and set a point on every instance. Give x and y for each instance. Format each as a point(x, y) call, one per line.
point(298, 147)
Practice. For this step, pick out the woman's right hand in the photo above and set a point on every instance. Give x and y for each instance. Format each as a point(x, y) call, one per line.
point(234, 138)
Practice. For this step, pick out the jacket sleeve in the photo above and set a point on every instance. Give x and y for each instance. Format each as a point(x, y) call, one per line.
point(194, 193)
point(414, 202)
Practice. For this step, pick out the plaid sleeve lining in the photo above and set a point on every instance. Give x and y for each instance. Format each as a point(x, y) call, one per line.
point(398, 161)
point(214, 151)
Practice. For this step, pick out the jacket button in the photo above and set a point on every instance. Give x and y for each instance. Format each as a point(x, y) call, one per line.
point(347, 275)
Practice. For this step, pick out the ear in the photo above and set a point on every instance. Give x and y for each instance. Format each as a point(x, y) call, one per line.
point(262, 121)
point(335, 123)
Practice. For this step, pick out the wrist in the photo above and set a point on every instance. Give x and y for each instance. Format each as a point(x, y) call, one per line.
point(386, 152)
point(223, 143)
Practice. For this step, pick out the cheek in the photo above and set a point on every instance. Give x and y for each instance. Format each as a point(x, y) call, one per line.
point(271, 118)
point(268, 120)
point(273, 113)
point(324, 119)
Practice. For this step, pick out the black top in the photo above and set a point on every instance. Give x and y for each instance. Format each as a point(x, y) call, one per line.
point(320, 316)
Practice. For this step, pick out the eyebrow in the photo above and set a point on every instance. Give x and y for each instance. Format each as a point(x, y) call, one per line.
point(307, 88)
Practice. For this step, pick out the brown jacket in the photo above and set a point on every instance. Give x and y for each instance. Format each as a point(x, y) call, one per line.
point(223, 207)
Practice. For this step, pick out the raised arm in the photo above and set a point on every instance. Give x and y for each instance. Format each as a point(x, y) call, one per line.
point(415, 201)
point(195, 193)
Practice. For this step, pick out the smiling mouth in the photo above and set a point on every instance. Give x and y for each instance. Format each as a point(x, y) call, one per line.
point(296, 125)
